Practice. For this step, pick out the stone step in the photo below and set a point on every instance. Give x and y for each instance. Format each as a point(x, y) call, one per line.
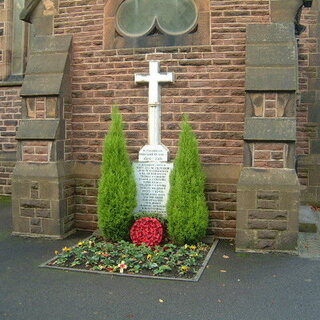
point(308, 220)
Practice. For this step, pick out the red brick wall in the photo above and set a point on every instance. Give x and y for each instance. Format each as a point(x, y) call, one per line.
point(36, 151)
point(269, 155)
point(307, 74)
point(10, 113)
point(209, 87)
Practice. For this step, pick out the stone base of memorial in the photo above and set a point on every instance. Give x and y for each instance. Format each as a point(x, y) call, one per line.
point(152, 174)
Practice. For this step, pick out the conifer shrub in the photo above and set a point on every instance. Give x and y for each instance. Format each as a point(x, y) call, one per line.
point(186, 207)
point(117, 189)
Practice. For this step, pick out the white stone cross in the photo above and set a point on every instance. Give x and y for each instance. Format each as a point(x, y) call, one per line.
point(154, 79)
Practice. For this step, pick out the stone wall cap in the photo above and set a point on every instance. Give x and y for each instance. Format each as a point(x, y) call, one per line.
point(25, 170)
point(251, 177)
point(274, 32)
point(57, 43)
point(43, 129)
point(270, 129)
point(42, 84)
point(278, 78)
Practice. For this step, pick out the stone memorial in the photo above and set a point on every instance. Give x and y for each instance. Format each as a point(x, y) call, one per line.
point(153, 169)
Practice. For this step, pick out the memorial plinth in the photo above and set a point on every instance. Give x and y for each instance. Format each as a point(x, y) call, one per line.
point(152, 180)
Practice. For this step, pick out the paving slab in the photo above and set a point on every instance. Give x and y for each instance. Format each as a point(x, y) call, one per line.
point(308, 220)
point(252, 286)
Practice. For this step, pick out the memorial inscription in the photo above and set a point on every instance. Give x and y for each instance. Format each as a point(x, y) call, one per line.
point(153, 153)
point(152, 184)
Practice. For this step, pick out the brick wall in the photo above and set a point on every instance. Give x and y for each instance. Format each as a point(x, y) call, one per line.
point(209, 87)
point(210, 81)
point(220, 191)
point(5, 37)
point(36, 151)
point(6, 169)
point(10, 114)
point(307, 76)
point(269, 155)
point(42, 107)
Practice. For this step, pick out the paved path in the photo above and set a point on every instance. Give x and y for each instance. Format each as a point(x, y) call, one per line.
point(255, 287)
point(309, 243)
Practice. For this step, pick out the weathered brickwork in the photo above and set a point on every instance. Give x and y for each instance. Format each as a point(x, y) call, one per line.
point(10, 113)
point(210, 87)
point(308, 47)
point(36, 151)
point(220, 191)
point(269, 155)
point(38, 209)
point(6, 169)
point(42, 108)
point(308, 110)
point(267, 218)
point(221, 200)
point(209, 82)
point(85, 203)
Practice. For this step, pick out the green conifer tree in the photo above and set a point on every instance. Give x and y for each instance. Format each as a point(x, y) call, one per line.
point(186, 208)
point(117, 188)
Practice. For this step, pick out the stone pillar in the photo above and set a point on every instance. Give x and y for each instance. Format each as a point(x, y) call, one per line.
point(309, 165)
point(42, 184)
point(268, 189)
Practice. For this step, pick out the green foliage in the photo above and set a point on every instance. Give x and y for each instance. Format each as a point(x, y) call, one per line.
point(117, 188)
point(155, 215)
point(5, 199)
point(186, 208)
point(169, 259)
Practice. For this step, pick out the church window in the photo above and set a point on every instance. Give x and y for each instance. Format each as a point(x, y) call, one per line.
point(152, 23)
point(19, 41)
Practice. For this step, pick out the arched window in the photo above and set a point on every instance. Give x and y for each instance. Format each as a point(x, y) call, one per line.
point(151, 23)
point(14, 42)
point(19, 49)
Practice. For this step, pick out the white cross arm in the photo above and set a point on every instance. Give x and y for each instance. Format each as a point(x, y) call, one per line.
point(154, 78)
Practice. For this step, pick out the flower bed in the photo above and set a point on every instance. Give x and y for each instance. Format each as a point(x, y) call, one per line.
point(167, 260)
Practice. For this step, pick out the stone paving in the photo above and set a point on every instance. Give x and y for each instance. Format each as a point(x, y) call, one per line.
point(309, 243)
point(234, 286)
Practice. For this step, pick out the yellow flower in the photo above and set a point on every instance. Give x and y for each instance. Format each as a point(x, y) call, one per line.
point(80, 244)
point(149, 256)
point(66, 249)
point(193, 247)
point(56, 252)
point(184, 268)
point(186, 246)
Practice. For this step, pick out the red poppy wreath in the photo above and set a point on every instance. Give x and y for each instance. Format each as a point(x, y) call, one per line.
point(148, 231)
